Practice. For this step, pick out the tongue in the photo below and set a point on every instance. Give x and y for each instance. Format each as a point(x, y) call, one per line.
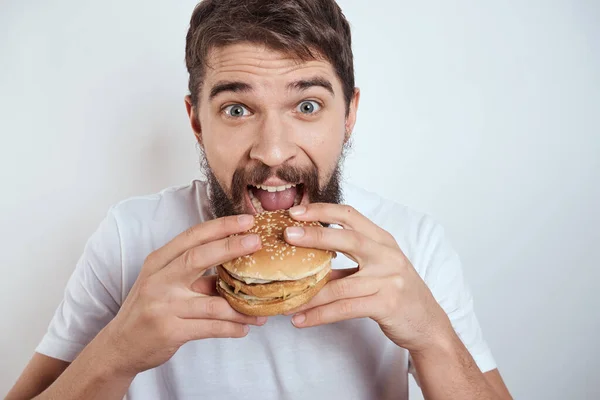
point(272, 201)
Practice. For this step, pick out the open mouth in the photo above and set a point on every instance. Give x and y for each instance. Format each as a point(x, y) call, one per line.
point(270, 198)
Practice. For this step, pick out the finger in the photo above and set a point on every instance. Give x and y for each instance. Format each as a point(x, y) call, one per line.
point(352, 243)
point(345, 216)
point(341, 310)
point(197, 235)
point(206, 285)
point(214, 307)
point(195, 329)
point(340, 289)
point(193, 262)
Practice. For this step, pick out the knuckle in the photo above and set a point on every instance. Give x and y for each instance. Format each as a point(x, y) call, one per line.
point(319, 315)
point(190, 232)
point(340, 288)
point(217, 328)
point(151, 258)
point(397, 282)
point(389, 237)
point(145, 288)
point(224, 223)
point(211, 306)
point(358, 241)
point(349, 210)
point(153, 313)
point(170, 300)
point(190, 258)
point(228, 245)
point(319, 234)
point(346, 307)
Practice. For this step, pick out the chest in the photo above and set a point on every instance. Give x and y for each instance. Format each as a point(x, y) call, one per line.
point(349, 360)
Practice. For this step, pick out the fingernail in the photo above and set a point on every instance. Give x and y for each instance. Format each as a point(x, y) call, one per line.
point(294, 232)
point(246, 329)
point(298, 319)
point(250, 241)
point(261, 320)
point(245, 219)
point(298, 210)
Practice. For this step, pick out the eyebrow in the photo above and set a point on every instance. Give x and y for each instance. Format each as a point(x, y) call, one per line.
point(229, 86)
point(243, 87)
point(305, 84)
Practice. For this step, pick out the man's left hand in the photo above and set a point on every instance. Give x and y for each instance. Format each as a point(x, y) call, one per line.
point(384, 287)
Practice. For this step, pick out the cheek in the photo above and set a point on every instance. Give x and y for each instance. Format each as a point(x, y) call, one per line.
point(225, 148)
point(322, 142)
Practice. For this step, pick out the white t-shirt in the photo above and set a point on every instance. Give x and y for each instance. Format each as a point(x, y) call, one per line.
point(346, 360)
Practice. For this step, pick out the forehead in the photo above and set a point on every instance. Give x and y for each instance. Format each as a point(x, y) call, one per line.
point(262, 66)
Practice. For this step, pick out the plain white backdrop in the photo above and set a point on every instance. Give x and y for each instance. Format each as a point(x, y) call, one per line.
point(484, 114)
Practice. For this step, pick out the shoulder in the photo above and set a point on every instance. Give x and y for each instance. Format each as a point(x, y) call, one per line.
point(420, 236)
point(141, 224)
point(408, 223)
point(170, 204)
point(137, 226)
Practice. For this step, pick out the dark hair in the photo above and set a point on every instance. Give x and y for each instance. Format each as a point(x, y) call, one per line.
point(307, 29)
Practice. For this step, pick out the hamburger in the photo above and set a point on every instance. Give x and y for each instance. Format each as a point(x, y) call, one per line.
point(279, 276)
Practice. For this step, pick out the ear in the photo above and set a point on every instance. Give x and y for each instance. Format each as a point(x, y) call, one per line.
point(352, 110)
point(194, 120)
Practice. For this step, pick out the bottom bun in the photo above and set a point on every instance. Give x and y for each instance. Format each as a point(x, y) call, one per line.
point(271, 307)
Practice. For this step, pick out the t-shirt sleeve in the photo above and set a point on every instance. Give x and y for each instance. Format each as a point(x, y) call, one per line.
point(91, 298)
point(441, 268)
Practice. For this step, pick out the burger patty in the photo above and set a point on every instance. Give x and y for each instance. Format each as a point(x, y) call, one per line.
point(262, 301)
point(273, 289)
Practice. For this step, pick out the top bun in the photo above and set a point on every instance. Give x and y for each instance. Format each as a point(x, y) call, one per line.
point(277, 260)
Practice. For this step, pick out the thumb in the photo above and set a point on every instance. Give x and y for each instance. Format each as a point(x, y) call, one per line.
point(206, 284)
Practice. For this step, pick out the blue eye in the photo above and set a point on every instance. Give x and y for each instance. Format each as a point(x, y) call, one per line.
point(236, 111)
point(309, 107)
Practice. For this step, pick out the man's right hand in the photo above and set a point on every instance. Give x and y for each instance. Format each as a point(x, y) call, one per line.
point(172, 303)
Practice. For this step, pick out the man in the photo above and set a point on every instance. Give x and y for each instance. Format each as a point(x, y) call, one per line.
point(272, 104)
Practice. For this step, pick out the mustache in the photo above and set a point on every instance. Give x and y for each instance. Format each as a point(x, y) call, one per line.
point(258, 174)
point(232, 202)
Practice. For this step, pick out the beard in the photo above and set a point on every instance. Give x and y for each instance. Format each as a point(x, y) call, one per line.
point(223, 204)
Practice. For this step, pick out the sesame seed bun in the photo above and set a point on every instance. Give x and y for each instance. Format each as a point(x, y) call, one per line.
point(277, 260)
point(279, 276)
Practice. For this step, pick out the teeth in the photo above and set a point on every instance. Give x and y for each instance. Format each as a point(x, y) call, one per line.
point(255, 202)
point(275, 188)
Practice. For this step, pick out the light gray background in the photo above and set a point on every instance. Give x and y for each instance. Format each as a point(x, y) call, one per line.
point(482, 113)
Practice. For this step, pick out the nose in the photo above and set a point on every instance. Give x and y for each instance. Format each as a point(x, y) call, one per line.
point(274, 145)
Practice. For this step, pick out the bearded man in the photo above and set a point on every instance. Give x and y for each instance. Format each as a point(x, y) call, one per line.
point(272, 103)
